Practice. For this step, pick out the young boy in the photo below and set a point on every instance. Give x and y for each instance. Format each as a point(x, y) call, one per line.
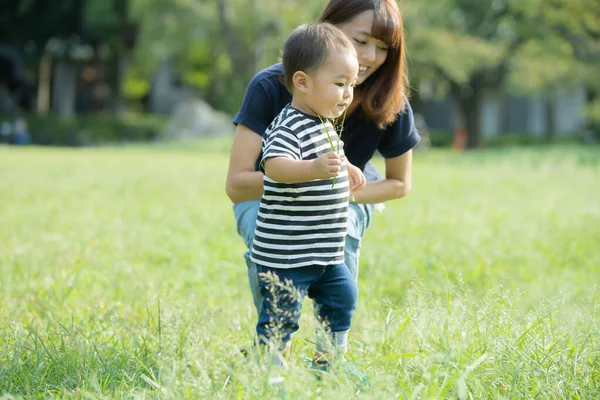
point(298, 245)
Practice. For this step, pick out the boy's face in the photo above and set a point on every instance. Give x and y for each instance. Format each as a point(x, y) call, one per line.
point(331, 87)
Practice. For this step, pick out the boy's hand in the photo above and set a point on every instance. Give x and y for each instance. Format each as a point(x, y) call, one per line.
point(356, 177)
point(327, 166)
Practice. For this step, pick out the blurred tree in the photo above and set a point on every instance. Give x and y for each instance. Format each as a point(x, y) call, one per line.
point(457, 47)
point(463, 47)
point(587, 49)
point(73, 30)
point(29, 24)
point(217, 45)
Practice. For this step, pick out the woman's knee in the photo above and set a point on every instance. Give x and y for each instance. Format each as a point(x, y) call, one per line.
point(359, 219)
point(351, 255)
point(245, 218)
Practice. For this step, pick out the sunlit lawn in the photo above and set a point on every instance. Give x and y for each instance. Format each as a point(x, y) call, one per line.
point(121, 275)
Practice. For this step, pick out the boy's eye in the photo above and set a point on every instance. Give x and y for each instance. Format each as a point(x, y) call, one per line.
point(339, 84)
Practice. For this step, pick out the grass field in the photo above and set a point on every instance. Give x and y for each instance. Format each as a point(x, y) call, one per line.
point(121, 276)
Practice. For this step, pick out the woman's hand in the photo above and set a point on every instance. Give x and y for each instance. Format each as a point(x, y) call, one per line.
point(243, 182)
point(397, 182)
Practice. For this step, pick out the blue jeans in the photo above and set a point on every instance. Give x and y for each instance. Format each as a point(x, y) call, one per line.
point(331, 287)
point(359, 217)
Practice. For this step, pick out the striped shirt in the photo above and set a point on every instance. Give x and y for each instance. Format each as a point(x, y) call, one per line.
point(300, 224)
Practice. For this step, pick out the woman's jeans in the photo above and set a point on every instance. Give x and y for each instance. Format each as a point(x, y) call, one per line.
point(359, 217)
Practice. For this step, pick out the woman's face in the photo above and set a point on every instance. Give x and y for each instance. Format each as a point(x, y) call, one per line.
point(371, 51)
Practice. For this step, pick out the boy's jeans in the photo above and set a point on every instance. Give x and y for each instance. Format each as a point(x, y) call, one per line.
point(331, 287)
point(359, 217)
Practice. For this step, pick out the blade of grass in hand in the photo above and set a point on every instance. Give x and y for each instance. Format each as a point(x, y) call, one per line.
point(330, 144)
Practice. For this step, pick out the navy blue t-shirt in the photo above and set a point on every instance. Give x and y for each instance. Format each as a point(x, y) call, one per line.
point(266, 96)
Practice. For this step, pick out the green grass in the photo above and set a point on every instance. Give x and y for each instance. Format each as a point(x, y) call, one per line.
point(121, 276)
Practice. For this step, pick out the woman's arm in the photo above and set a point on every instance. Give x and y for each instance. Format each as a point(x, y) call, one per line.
point(243, 182)
point(397, 182)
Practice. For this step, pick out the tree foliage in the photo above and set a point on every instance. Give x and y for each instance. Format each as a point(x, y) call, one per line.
point(464, 47)
point(218, 45)
point(29, 24)
point(457, 47)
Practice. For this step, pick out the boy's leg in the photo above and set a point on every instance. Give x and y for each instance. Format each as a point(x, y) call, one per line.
point(336, 294)
point(359, 217)
point(283, 291)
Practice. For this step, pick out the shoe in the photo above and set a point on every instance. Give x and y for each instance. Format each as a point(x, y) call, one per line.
point(319, 368)
point(354, 373)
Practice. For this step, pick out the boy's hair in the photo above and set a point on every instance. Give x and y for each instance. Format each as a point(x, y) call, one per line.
point(309, 46)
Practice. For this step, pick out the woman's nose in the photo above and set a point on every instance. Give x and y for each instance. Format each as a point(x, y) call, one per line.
point(368, 53)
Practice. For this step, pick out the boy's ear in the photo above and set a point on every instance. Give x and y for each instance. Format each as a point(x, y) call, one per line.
point(301, 81)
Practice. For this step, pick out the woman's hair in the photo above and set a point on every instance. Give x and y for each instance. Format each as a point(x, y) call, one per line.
point(383, 93)
point(309, 46)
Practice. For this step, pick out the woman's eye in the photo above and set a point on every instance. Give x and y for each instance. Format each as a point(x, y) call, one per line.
point(339, 84)
point(360, 41)
point(383, 48)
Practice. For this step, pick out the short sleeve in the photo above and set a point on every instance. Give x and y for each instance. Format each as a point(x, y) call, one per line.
point(280, 142)
point(257, 110)
point(401, 136)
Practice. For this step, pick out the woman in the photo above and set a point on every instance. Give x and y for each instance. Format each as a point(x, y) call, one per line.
point(379, 119)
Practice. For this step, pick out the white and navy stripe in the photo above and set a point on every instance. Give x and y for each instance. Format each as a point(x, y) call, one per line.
point(300, 224)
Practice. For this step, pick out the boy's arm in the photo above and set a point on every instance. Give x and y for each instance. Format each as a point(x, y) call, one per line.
point(288, 170)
